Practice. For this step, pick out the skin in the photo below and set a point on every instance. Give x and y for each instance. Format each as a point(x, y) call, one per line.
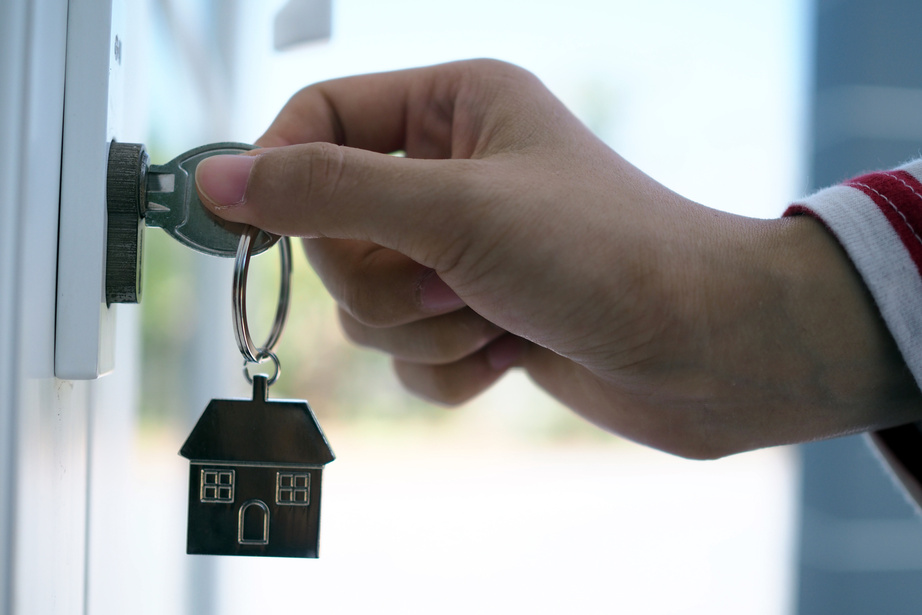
point(510, 235)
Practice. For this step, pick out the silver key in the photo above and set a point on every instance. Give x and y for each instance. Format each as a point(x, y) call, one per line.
point(173, 204)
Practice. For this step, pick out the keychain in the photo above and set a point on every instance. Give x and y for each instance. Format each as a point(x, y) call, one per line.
point(256, 464)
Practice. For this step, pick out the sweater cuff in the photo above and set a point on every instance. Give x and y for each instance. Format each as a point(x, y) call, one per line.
point(877, 218)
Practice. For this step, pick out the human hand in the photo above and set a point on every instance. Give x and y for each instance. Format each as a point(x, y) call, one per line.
point(510, 235)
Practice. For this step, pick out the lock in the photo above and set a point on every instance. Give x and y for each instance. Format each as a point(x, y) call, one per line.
point(126, 187)
point(139, 194)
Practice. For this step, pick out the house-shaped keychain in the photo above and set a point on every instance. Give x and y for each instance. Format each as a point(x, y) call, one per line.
point(255, 475)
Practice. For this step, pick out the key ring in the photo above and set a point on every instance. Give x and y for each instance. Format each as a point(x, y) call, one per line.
point(263, 356)
point(251, 353)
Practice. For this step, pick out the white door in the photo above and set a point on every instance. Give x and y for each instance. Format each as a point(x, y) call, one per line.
point(62, 442)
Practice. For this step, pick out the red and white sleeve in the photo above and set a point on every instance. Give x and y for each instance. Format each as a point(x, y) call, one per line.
point(877, 219)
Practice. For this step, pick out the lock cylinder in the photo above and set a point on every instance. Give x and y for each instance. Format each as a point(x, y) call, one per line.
point(126, 201)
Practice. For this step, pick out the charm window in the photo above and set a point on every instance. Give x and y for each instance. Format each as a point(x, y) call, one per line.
point(293, 488)
point(217, 486)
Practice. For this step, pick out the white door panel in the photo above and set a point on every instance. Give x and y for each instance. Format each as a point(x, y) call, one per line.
point(58, 438)
point(101, 51)
point(50, 501)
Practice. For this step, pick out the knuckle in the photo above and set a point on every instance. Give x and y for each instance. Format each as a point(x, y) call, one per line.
point(326, 166)
point(461, 230)
point(294, 187)
point(352, 329)
point(435, 348)
point(443, 347)
point(370, 292)
point(449, 390)
point(365, 309)
point(432, 383)
point(461, 334)
point(427, 381)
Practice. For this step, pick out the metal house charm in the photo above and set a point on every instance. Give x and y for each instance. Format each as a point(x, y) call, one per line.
point(255, 475)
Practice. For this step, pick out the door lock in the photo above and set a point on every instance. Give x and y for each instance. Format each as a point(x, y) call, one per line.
point(139, 194)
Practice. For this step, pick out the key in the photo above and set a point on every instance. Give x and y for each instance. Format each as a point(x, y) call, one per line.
point(254, 478)
point(162, 196)
point(172, 204)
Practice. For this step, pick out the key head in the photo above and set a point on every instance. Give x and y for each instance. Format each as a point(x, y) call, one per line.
point(173, 205)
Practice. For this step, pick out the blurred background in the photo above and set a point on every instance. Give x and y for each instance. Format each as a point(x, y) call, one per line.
point(508, 503)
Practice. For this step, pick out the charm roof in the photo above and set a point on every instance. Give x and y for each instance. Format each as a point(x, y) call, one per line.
point(258, 430)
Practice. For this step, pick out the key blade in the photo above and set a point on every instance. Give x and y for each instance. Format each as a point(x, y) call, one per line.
point(160, 182)
point(162, 197)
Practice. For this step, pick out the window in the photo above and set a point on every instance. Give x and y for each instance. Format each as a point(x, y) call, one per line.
point(293, 488)
point(217, 486)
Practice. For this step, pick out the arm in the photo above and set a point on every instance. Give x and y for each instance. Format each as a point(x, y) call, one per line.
point(510, 235)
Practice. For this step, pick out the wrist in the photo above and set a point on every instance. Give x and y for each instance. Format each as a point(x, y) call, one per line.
point(821, 361)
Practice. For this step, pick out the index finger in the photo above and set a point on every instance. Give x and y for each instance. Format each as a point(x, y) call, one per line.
point(408, 110)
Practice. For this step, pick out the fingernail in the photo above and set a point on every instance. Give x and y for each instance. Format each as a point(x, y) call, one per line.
point(437, 296)
point(223, 179)
point(504, 352)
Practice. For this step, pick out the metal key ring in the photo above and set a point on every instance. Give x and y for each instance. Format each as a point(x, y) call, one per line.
point(264, 355)
point(250, 351)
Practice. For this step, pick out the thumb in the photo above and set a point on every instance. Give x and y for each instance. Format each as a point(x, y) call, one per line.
point(420, 208)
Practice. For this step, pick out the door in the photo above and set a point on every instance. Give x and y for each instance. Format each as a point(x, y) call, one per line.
point(253, 523)
point(63, 442)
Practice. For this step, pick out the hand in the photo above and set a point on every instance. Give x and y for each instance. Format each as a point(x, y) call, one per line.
point(510, 235)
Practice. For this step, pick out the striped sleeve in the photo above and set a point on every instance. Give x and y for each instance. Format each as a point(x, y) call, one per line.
point(877, 219)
